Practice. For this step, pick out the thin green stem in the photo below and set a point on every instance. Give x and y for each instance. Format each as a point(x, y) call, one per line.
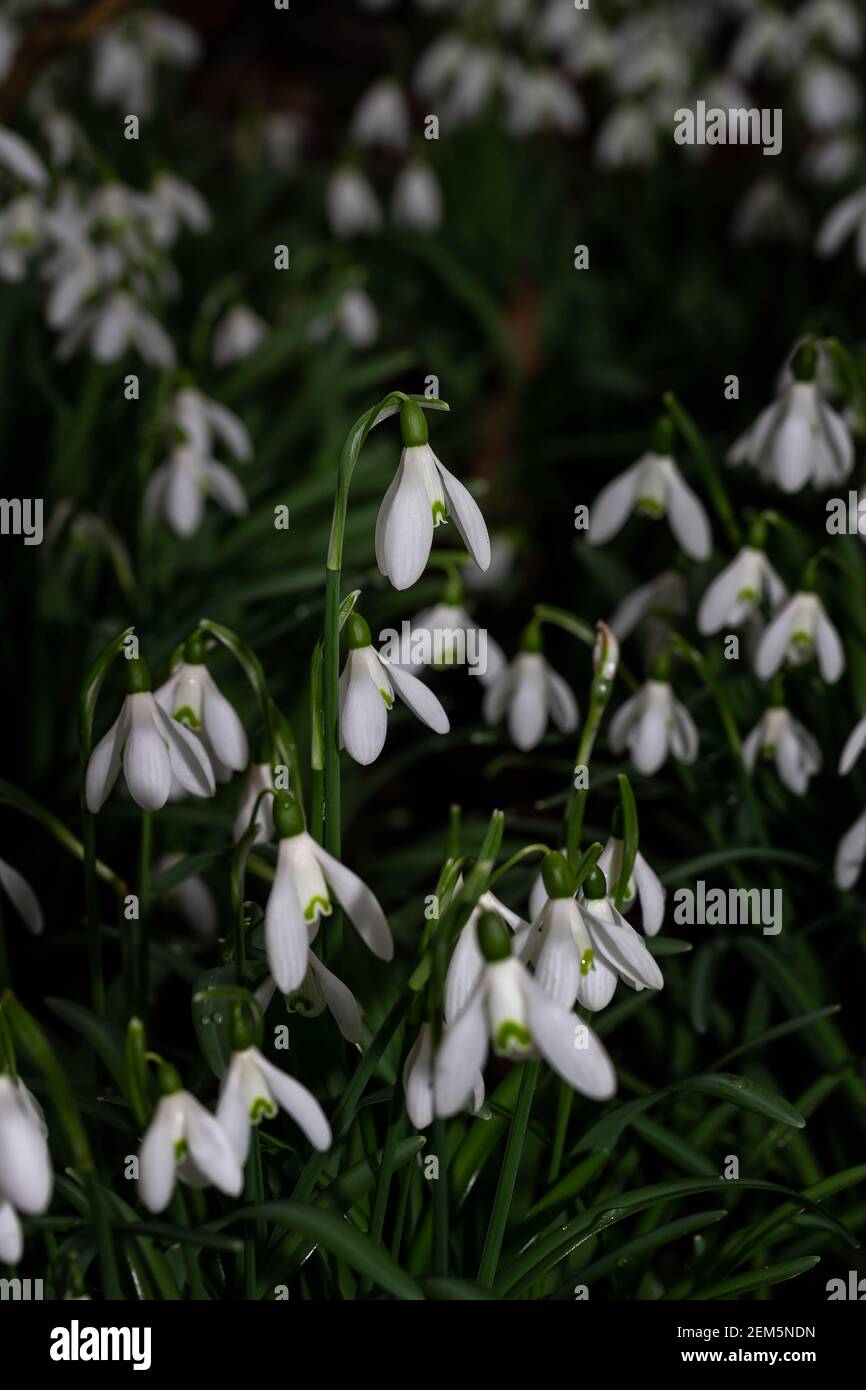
point(563, 1113)
point(5, 968)
point(142, 926)
point(440, 1199)
point(507, 1178)
point(254, 1193)
point(111, 1288)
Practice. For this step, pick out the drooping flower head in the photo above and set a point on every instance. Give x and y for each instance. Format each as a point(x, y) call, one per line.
point(529, 692)
point(367, 689)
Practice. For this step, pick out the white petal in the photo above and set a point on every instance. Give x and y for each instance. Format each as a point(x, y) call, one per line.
point(773, 645)
point(596, 988)
point(613, 506)
point(465, 969)
point(557, 966)
point(496, 697)
point(360, 905)
point(688, 519)
point(527, 710)
point(853, 747)
point(183, 500)
point(300, 1103)
point(563, 706)
point(26, 1178)
point(850, 854)
point(189, 762)
point(145, 758)
point(621, 723)
point(652, 895)
point(286, 937)
point(420, 699)
point(721, 596)
point(466, 515)
point(623, 949)
point(104, 764)
point(22, 897)
point(684, 734)
point(461, 1056)
point(11, 1239)
point(225, 488)
point(648, 739)
point(363, 712)
point(210, 1148)
point(407, 529)
point(156, 1164)
point(569, 1046)
point(418, 1079)
point(831, 657)
point(232, 1111)
point(223, 727)
point(340, 1001)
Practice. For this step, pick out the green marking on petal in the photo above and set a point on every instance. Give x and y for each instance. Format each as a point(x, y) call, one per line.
point(186, 715)
point(180, 1150)
point(389, 699)
point(262, 1109)
point(324, 905)
point(299, 1003)
point(439, 513)
point(748, 595)
point(802, 639)
point(651, 507)
point(768, 750)
point(586, 961)
point(512, 1037)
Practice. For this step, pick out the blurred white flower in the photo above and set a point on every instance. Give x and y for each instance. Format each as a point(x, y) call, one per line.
point(174, 205)
point(21, 234)
point(654, 604)
point(652, 487)
point(853, 747)
point(767, 213)
point(797, 440)
point(237, 335)
point(767, 44)
point(530, 693)
point(358, 319)
point(778, 736)
point(353, 209)
point(835, 22)
point(734, 595)
point(829, 96)
point(320, 990)
point(126, 56)
point(205, 422)
point(26, 1177)
point(653, 724)
point(177, 490)
point(116, 325)
point(22, 898)
point(539, 99)
point(184, 1140)
point(445, 629)
point(846, 218)
point(191, 898)
point(20, 161)
point(626, 137)
point(799, 632)
point(382, 117)
point(282, 140)
point(416, 203)
point(831, 160)
point(850, 854)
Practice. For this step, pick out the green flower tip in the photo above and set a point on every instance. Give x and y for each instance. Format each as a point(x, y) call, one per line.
point(357, 632)
point(616, 823)
point(288, 817)
point(531, 639)
point(413, 425)
point(193, 651)
point(242, 1037)
point(493, 937)
point(805, 362)
point(595, 884)
point(168, 1079)
point(557, 876)
point(662, 437)
point(137, 676)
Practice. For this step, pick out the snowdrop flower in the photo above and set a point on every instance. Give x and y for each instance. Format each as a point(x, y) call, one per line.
point(22, 898)
point(191, 898)
point(382, 117)
point(799, 438)
point(20, 161)
point(306, 877)
point(353, 209)
point(509, 1009)
point(466, 965)
point(834, 21)
point(418, 1079)
point(416, 203)
point(458, 76)
point(800, 631)
point(26, 1178)
point(581, 948)
point(768, 42)
point(767, 213)
point(653, 487)
point(422, 495)
point(734, 595)
point(320, 990)
point(626, 138)
point(151, 747)
point(237, 335)
point(192, 697)
point(829, 96)
point(530, 692)
point(643, 886)
point(831, 161)
point(539, 100)
point(205, 422)
point(846, 218)
point(21, 225)
point(651, 725)
point(260, 778)
point(253, 1089)
point(850, 854)
point(445, 635)
point(778, 736)
point(177, 489)
point(118, 324)
point(126, 56)
point(358, 319)
point(367, 688)
point(175, 204)
point(184, 1140)
point(655, 605)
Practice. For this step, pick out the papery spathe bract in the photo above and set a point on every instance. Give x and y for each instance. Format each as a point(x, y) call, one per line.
point(253, 1090)
point(651, 725)
point(798, 633)
point(780, 737)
